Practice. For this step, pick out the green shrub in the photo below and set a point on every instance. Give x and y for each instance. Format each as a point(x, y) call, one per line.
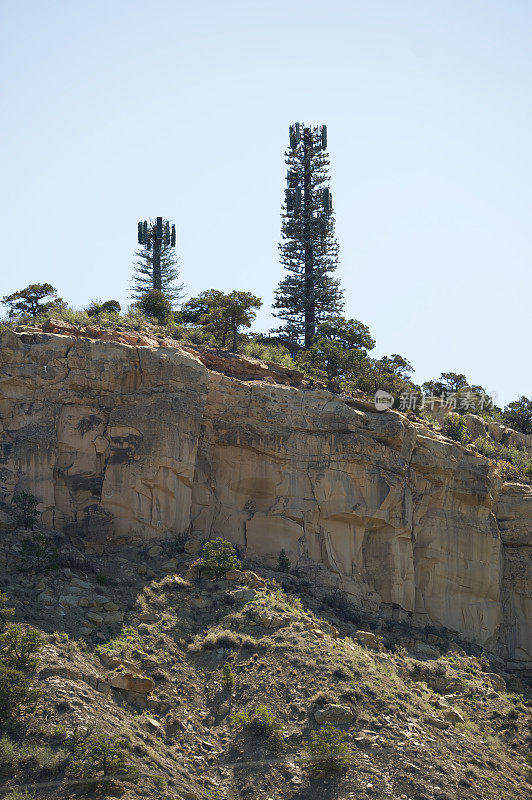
point(6, 612)
point(485, 446)
point(194, 335)
point(20, 648)
point(283, 562)
point(228, 677)
point(45, 758)
point(18, 794)
point(27, 514)
point(38, 553)
point(111, 308)
point(74, 317)
point(17, 694)
point(326, 750)
point(261, 722)
point(103, 759)
point(267, 726)
point(218, 556)
point(134, 319)
point(268, 352)
point(455, 427)
point(514, 463)
point(8, 753)
point(156, 306)
point(241, 719)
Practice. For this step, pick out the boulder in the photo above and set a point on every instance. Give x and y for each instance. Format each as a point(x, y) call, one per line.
point(268, 620)
point(424, 649)
point(81, 584)
point(95, 618)
point(452, 714)
point(334, 713)
point(436, 722)
point(234, 575)
point(368, 639)
point(112, 617)
point(497, 681)
point(244, 595)
point(330, 629)
point(253, 580)
point(475, 425)
point(129, 682)
point(193, 546)
point(148, 616)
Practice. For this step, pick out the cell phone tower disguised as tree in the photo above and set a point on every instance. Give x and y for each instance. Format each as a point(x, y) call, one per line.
point(309, 294)
point(156, 261)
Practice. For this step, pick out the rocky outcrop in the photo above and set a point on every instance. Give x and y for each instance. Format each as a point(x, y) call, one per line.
point(143, 440)
point(499, 433)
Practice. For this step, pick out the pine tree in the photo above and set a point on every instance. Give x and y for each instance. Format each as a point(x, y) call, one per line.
point(283, 562)
point(156, 265)
point(309, 294)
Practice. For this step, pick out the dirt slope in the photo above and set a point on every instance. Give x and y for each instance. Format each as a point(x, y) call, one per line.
point(424, 717)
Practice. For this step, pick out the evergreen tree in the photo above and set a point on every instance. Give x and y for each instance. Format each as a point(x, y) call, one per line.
point(28, 301)
point(156, 265)
point(338, 350)
point(283, 562)
point(221, 314)
point(518, 415)
point(309, 294)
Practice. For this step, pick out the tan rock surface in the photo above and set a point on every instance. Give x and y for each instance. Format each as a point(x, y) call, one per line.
point(129, 682)
point(139, 440)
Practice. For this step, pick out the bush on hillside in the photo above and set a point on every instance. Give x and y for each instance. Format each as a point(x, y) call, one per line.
point(262, 722)
point(218, 556)
point(454, 426)
point(485, 446)
point(156, 306)
point(103, 759)
point(38, 553)
point(26, 510)
point(18, 794)
point(326, 750)
point(17, 694)
point(283, 562)
point(268, 352)
point(228, 677)
point(20, 648)
point(6, 612)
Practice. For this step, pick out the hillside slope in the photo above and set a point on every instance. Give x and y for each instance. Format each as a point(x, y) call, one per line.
point(426, 717)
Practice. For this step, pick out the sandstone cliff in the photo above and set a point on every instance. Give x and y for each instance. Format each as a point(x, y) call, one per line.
point(121, 441)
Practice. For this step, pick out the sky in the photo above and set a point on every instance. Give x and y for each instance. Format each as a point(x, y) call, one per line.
point(120, 110)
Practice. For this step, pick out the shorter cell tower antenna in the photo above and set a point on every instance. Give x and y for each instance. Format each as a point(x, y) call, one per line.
point(152, 236)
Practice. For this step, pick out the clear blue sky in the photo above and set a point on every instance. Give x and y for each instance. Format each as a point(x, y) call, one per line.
point(115, 111)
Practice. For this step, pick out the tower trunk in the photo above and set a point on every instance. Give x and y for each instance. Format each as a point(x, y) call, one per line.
point(309, 302)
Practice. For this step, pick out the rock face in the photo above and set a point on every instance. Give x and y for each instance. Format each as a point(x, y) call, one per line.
point(333, 713)
point(137, 441)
